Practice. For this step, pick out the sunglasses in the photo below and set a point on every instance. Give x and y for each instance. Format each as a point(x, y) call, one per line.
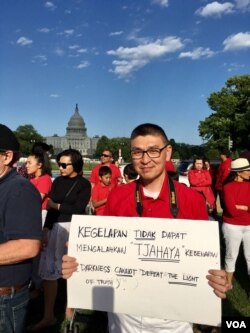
point(105, 155)
point(64, 165)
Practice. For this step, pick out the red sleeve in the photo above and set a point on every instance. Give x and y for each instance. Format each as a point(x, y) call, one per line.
point(199, 179)
point(44, 184)
point(94, 178)
point(169, 166)
point(230, 201)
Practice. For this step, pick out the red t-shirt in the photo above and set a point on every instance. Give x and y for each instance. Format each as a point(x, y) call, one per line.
point(100, 192)
point(222, 173)
point(116, 173)
point(236, 193)
point(169, 166)
point(121, 202)
point(43, 185)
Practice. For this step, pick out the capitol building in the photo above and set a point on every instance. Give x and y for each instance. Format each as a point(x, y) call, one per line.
point(75, 138)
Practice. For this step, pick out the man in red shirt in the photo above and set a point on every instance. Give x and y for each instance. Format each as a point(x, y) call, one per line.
point(149, 196)
point(222, 172)
point(106, 160)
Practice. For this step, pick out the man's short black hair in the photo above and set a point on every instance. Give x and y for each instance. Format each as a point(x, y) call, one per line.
point(149, 129)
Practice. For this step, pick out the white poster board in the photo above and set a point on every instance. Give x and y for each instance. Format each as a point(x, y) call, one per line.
point(145, 266)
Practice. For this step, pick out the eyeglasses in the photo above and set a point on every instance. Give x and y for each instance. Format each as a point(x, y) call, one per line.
point(152, 152)
point(64, 165)
point(105, 155)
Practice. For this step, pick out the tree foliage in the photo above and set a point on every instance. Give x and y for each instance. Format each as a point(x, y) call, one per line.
point(114, 145)
point(27, 136)
point(231, 116)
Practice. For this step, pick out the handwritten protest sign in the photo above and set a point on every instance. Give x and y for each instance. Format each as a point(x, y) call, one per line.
point(145, 266)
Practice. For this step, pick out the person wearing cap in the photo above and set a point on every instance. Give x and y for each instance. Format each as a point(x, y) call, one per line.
point(222, 172)
point(20, 235)
point(236, 215)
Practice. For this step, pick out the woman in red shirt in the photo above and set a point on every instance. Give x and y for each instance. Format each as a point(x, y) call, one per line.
point(200, 180)
point(236, 215)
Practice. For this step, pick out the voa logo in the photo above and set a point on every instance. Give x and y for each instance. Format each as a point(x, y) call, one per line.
point(235, 324)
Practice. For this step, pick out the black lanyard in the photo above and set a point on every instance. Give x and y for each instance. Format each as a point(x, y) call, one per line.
point(172, 198)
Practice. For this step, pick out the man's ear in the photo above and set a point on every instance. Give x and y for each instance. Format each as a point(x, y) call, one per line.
point(9, 155)
point(169, 152)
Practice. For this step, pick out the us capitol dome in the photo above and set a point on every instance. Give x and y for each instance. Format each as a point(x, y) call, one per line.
point(76, 137)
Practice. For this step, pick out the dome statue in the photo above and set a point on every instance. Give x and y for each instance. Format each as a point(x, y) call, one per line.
point(76, 125)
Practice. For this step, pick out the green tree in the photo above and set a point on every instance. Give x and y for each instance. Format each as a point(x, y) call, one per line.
point(102, 144)
point(231, 117)
point(114, 144)
point(27, 136)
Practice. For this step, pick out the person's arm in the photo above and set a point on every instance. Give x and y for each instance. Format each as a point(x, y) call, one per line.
point(230, 201)
point(99, 203)
point(69, 266)
point(14, 251)
point(218, 281)
point(243, 207)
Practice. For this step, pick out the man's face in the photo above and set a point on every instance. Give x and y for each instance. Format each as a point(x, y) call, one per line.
point(147, 167)
point(5, 159)
point(106, 157)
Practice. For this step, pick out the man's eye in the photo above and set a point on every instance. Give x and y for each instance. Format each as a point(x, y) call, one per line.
point(153, 151)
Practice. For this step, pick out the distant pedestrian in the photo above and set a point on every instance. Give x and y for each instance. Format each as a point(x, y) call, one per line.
point(236, 215)
point(106, 160)
point(129, 173)
point(38, 166)
point(101, 190)
point(70, 194)
point(200, 180)
point(222, 172)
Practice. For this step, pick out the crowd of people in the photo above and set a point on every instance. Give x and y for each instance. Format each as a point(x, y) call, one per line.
point(36, 213)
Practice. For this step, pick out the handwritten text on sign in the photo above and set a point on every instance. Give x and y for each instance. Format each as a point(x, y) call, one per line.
point(143, 266)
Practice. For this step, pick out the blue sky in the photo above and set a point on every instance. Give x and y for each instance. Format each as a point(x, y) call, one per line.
point(124, 62)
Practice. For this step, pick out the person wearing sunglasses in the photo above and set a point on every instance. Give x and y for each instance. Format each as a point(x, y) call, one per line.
point(70, 194)
point(106, 160)
point(149, 196)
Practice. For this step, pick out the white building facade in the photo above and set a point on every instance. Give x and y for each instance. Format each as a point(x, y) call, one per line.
point(75, 138)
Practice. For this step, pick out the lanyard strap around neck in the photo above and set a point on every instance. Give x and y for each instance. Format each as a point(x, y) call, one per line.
point(172, 198)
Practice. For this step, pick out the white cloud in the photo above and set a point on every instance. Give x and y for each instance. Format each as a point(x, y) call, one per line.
point(74, 47)
point(83, 64)
point(197, 53)
point(243, 4)
point(50, 5)
point(68, 32)
point(44, 30)
point(162, 3)
point(237, 42)
point(215, 9)
point(116, 33)
point(54, 95)
point(133, 58)
point(82, 50)
point(233, 67)
point(58, 51)
point(40, 59)
point(24, 41)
